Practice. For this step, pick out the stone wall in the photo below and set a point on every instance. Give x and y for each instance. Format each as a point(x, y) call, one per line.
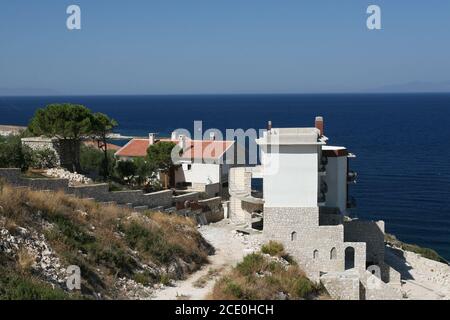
point(14, 177)
point(239, 186)
point(62, 148)
point(98, 192)
point(374, 288)
point(316, 248)
point(190, 196)
point(213, 189)
point(370, 232)
point(342, 285)
point(214, 209)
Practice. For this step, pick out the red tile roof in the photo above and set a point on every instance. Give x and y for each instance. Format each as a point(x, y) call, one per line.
point(93, 144)
point(134, 148)
point(197, 149)
point(206, 149)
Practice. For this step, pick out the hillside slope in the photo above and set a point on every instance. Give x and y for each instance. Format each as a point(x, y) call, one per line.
point(121, 254)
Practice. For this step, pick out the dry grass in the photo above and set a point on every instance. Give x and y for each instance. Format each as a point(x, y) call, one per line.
point(203, 280)
point(108, 238)
point(260, 278)
point(25, 260)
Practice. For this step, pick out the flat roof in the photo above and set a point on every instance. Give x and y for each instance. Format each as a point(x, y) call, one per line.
point(292, 136)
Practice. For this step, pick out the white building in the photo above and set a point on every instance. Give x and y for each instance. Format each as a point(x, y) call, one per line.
point(202, 166)
point(300, 170)
point(305, 206)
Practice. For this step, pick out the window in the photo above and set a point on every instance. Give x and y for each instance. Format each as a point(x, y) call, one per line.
point(189, 167)
point(316, 254)
point(293, 236)
point(333, 254)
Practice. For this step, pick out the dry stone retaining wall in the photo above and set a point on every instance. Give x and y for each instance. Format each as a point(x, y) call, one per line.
point(98, 192)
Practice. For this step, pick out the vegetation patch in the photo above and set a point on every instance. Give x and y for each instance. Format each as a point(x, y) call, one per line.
point(18, 283)
point(259, 277)
point(105, 241)
point(424, 252)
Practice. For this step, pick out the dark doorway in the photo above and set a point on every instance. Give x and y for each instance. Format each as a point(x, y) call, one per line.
point(349, 258)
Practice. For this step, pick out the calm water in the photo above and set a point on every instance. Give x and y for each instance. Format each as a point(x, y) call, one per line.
point(401, 143)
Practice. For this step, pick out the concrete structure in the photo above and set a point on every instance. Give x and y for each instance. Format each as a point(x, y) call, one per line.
point(203, 165)
point(305, 207)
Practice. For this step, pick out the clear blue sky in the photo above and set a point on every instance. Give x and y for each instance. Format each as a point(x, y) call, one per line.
point(221, 46)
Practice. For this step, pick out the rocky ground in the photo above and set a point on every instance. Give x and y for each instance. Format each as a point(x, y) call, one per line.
point(44, 261)
point(73, 177)
point(422, 279)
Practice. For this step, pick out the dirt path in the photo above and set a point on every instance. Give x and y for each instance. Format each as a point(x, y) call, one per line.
point(230, 247)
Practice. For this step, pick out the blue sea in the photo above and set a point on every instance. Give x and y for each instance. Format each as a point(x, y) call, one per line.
point(401, 142)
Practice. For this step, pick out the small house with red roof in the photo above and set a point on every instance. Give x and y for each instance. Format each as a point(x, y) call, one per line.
point(202, 165)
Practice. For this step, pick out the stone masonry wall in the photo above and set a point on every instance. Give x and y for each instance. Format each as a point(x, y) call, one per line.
point(316, 248)
point(342, 286)
point(98, 192)
point(191, 196)
point(370, 232)
point(239, 186)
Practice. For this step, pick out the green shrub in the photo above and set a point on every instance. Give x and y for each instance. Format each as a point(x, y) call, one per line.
point(258, 277)
point(146, 278)
point(15, 286)
point(91, 161)
point(151, 242)
point(273, 248)
point(251, 264)
point(112, 257)
point(73, 234)
point(41, 158)
point(11, 153)
point(303, 287)
point(234, 289)
point(164, 279)
point(125, 171)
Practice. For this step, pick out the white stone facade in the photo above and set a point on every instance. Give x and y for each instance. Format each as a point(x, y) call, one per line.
point(305, 187)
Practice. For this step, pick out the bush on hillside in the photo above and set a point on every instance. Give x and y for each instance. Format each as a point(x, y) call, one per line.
point(273, 248)
point(11, 153)
point(41, 158)
point(260, 278)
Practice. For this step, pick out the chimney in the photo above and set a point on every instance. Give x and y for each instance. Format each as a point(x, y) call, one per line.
point(269, 125)
point(182, 142)
point(319, 125)
point(212, 136)
point(151, 138)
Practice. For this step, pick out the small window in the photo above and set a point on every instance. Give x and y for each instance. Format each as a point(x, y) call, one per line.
point(316, 254)
point(293, 236)
point(189, 167)
point(333, 254)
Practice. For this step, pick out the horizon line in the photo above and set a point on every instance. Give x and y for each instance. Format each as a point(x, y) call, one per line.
point(220, 94)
